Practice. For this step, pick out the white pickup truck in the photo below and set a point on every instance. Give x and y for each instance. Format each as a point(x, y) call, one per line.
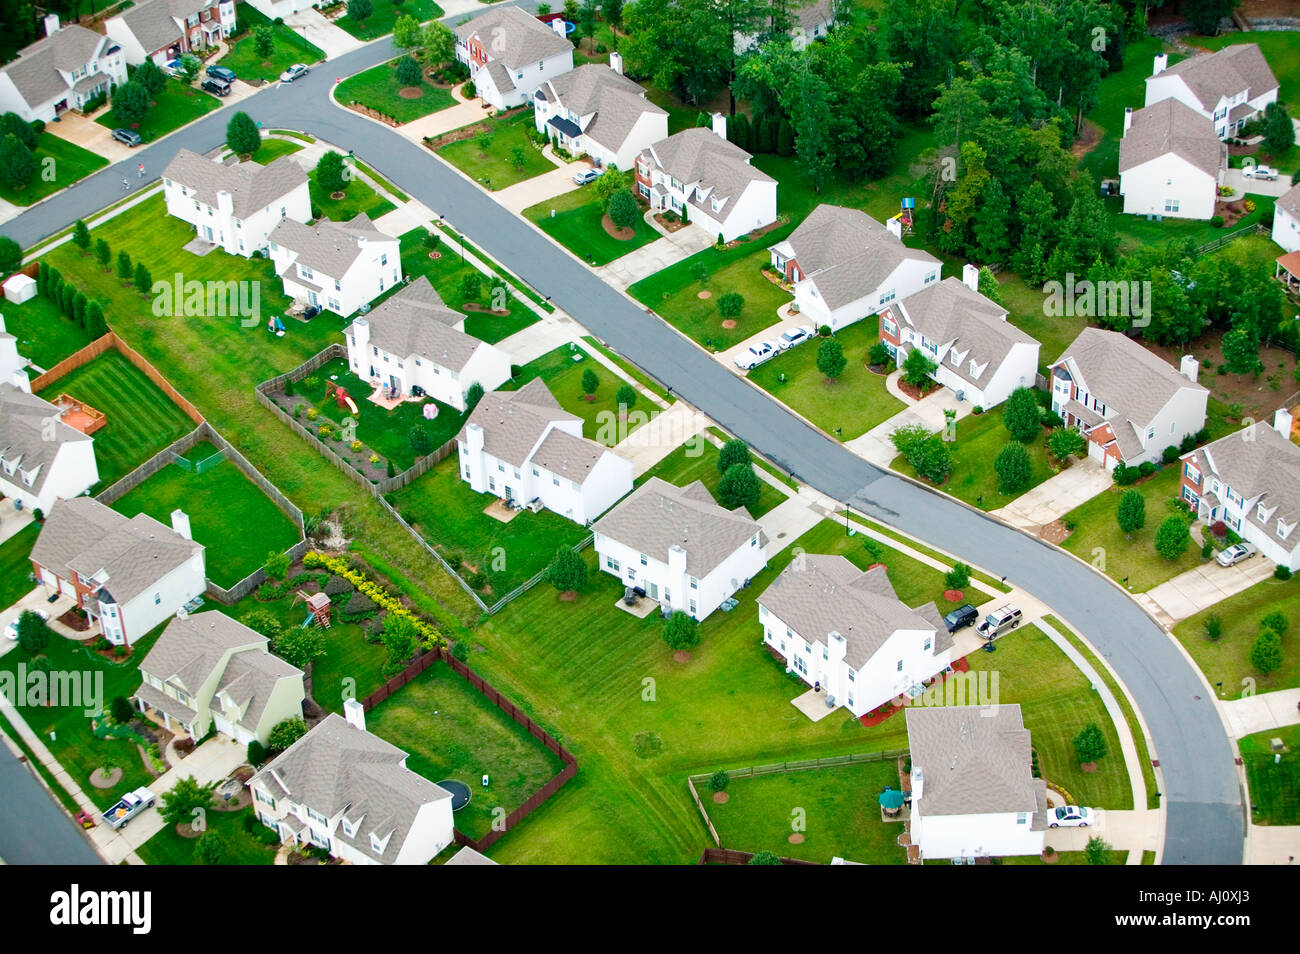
point(131, 804)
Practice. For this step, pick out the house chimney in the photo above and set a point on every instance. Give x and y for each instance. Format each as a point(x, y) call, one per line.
point(1282, 422)
point(19, 380)
point(51, 24)
point(1189, 367)
point(1128, 118)
point(616, 62)
point(355, 713)
point(558, 26)
point(181, 523)
point(225, 203)
point(1161, 61)
point(970, 276)
point(895, 228)
point(837, 646)
point(720, 124)
point(918, 783)
point(474, 438)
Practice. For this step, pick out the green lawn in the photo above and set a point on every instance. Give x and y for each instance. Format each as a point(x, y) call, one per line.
point(1226, 660)
point(290, 47)
point(1124, 88)
point(575, 221)
point(698, 460)
point(452, 731)
point(44, 336)
point(273, 149)
point(141, 419)
point(446, 273)
point(1274, 786)
point(1098, 540)
point(218, 501)
point(169, 848)
point(176, 106)
point(1025, 310)
point(979, 441)
point(64, 163)
point(380, 22)
point(16, 565)
point(379, 89)
point(493, 166)
point(449, 515)
point(357, 197)
point(563, 376)
point(845, 408)
point(835, 808)
point(641, 378)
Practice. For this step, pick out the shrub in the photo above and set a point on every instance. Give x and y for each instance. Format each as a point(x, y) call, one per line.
point(766, 857)
point(719, 781)
point(567, 570)
point(1281, 572)
point(1172, 537)
point(1276, 621)
point(1188, 444)
point(1266, 653)
point(1013, 468)
point(735, 451)
point(1170, 454)
point(256, 756)
point(286, 734)
point(1131, 514)
point(1146, 468)
point(1213, 626)
point(33, 634)
point(359, 606)
point(824, 331)
point(1020, 415)
point(1090, 744)
point(958, 578)
point(121, 711)
point(878, 354)
point(590, 381)
point(1065, 442)
point(623, 210)
point(730, 305)
point(409, 72)
point(1219, 529)
point(1097, 852)
point(337, 586)
point(1123, 475)
point(680, 631)
point(421, 441)
point(1216, 221)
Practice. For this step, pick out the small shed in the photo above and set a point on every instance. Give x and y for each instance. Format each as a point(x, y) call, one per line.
point(20, 288)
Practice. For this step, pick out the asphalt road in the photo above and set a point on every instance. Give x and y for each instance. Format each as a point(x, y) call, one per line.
point(1205, 821)
point(45, 835)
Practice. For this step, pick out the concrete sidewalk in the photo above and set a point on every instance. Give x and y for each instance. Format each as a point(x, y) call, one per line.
point(1056, 496)
point(1198, 589)
point(1261, 712)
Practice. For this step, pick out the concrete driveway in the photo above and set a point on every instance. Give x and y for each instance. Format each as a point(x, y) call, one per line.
point(1199, 589)
point(37, 599)
point(1261, 712)
point(773, 331)
point(875, 447)
point(90, 135)
point(443, 121)
point(548, 185)
point(312, 26)
point(1240, 184)
point(660, 436)
point(656, 256)
point(1055, 496)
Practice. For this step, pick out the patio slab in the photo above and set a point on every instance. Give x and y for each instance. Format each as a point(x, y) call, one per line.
point(813, 704)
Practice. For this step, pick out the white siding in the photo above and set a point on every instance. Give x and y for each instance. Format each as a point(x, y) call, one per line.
point(1149, 189)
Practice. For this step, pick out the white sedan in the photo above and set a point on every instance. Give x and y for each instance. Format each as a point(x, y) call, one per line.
point(1070, 816)
point(1267, 173)
point(1234, 554)
point(11, 631)
point(793, 336)
point(753, 357)
point(297, 71)
point(584, 176)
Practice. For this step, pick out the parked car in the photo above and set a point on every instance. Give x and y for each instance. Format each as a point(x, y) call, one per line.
point(963, 616)
point(1070, 816)
point(128, 136)
point(221, 73)
point(1234, 554)
point(793, 336)
point(217, 87)
point(753, 357)
point(1001, 620)
point(1264, 173)
point(586, 176)
point(297, 71)
point(11, 631)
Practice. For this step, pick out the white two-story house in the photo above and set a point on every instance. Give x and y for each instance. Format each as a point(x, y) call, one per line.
point(510, 53)
point(981, 356)
point(337, 266)
point(1127, 402)
point(846, 632)
point(64, 70)
point(523, 447)
point(348, 791)
point(413, 341)
point(162, 30)
point(808, 22)
point(42, 459)
point(1250, 480)
point(845, 266)
point(1286, 220)
point(1228, 86)
point(236, 206)
point(128, 574)
point(598, 111)
point(680, 547)
point(210, 672)
point(708, 181)
point(1171, 162)
point(13, 366)
point(974, 794)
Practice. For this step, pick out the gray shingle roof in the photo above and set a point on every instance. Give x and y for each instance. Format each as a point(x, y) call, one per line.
point(1171, 127)
point(812, 14)
point(513, 37)
point(36, 71)
point(1225, 73)
point(251, 185)
point(819, 594)
point(974, 760)
point(153, 25)
point(82, 536)
point(514, 421)
point(658, 515)
point(617, 102)
point(1289, 201)
point(701, 155)
point(328, 247)
point(1266, 464)
point(415, 323)
point(847, 254)
point(468, 856)
point(23, 439)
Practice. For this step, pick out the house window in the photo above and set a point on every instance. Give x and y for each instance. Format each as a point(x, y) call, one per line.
point(1022, 818)
point(611, 564)
point(501, 467)
point(825, 653)
point(1171, 205)
point(1151, 433)
point(1282, 529)
point(337, 285)
point(157, 599)
point(888, 327)
point(644, 561)
point(929, 641)
point(900, 665)
point(695, 584)
point(1191, 473)
point(852, 676)
point(264, 798)
point(555, 481)
point(383, 259)
point(692, 607)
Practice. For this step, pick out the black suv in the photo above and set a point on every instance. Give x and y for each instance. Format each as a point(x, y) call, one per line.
point(963, 616)
point(217, 87)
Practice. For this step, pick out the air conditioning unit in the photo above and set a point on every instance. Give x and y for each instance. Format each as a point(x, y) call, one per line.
point(830, 702)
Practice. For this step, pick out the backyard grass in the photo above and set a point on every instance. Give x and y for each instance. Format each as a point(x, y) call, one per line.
point(380, 22)
point(979, 441)
point(574, 219)
point(493, 166)
point(237, 524)
point(273, 149)
point(1025, 310)
point(1125, 87)
point(357, 197)
point(1097, 538)
point(16, 565)
point(641, 378)
point(169, 848)
point(290, 47)
point(65, 163)
point(1274, 786)
point(563, 376)
point(845, 408)
point(1226, 660)
point(44, 336)
point(450, 516)
point(446, 274)
point(379, 89)
point(698, 460)
point(175, 106)
point(835, 808)
point(141, 420)
point(452, 731)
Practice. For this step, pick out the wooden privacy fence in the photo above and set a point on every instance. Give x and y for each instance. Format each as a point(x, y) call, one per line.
point(539, 797)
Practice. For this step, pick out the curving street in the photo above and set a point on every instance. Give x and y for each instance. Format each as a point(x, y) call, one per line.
point(1205, 822)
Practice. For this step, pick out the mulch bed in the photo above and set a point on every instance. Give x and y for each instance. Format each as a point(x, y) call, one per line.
point(682, 656)
point(914, 392)
point(569, 596)
point(75, 620)
point(613, 231)
point(1089, 767)
point(186, 830)
point(410, 92)
point(721, 798)
point(101, 779)
point(885, 711)
point(729, 323)
point(759, 233)
point(670, 227)
point(475, 306)
point(796, 838)
point(953, 596)
point(435, 255)
point(1232, 212)
point(1050, 858)
point(338, 196)
point(704, 294)
point(242, 800)
point(374, 114)
point(1054, 532)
